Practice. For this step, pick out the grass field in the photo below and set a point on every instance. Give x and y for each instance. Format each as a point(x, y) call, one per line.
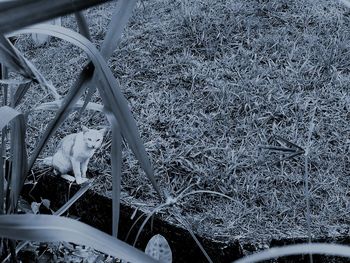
point(210, 81)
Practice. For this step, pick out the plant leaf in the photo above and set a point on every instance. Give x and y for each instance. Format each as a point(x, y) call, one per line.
point(84, 187)
point(299, 249)
point(2, 169)
point(56, 104)
point(35, 207)
point(116, 26)
point(50, 228)
point(159, 249)
point(14, 81)
point(6, 115)
point(82, 25)
point(112, 97)
point(188, 228)
point(119, 19)
point(19, 160)
point(20, 92)
point(18, 149)
point(71, 98)
point(10, 56)
point(116, 159)
point(155, 210)
point(46, 203)
point(207, 192)
point(91, 90)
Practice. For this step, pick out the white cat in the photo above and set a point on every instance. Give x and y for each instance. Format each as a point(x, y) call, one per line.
point(74, 152)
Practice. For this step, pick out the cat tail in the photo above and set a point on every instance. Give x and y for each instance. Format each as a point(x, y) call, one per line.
point(48, 161)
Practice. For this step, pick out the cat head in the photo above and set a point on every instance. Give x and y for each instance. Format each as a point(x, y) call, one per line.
point(93, 138)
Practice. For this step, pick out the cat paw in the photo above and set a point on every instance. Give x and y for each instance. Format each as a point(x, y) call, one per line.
point(82, 180)
point(68, 177)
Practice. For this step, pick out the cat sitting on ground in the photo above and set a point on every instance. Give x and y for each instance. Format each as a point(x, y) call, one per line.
point(74, 152)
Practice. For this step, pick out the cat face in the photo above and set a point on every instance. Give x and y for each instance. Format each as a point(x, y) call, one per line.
point(93, 138)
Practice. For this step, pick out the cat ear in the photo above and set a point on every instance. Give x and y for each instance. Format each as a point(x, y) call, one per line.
point(85, 129)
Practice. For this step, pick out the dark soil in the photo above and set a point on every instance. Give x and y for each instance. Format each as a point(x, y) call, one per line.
point(95, 209)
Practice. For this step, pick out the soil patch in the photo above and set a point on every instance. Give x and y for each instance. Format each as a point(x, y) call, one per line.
point(96, 210)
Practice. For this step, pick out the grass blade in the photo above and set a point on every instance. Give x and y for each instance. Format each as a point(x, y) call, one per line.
point(4, 75)
point(50, 228)
point(56, 104)
point(285, 158)
point(7, 114)
point(84, 30)
point(114, 100)
point(290, 250)
point(12, 59)
point(91, 90)
point(116, 159)
point(133, 225)
point(118, 22)
point(194, 238)
point(155, 210)
point(84, 187)
point(206, 192)
point(306, 179)
point(19, 160)
point(283, 142)
point(2, 169)
point(20, 92)
point(18, 150)
point(82, 25)
point(13, 81)
point(10, 56)
point(276, 148)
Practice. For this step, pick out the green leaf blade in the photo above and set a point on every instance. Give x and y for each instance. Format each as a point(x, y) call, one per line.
point(50, 228)
point(7, 114)
point(116, 160)
point(18, 150)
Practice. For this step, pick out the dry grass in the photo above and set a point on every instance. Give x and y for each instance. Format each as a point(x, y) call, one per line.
point(210, 81)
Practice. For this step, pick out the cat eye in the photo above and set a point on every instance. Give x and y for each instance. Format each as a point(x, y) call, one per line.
point(98, 140)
